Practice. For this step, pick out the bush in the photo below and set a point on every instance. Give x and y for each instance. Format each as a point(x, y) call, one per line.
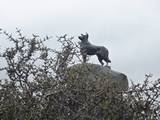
point(37, 87)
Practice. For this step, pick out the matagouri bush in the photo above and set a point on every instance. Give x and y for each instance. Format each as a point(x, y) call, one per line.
point(37, 86)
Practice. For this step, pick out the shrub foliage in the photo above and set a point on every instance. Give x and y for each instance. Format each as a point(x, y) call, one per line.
point(37, 86)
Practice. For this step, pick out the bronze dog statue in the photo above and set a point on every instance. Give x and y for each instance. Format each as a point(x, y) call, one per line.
point(86, 48)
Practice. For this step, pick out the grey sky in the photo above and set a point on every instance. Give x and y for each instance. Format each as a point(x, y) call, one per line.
point(128, 28)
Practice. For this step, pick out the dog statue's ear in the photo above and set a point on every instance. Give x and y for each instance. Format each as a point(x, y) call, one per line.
point(82, 35)
point(87, 35)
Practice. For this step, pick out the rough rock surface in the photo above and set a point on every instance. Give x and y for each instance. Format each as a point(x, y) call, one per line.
point(102, 76)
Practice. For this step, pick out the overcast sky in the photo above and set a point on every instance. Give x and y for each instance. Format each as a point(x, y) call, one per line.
point(130, 29)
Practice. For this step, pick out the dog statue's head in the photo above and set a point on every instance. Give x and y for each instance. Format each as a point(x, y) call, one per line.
point(84, 38)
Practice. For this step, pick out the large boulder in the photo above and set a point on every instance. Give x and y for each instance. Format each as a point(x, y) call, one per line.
point(102, 76)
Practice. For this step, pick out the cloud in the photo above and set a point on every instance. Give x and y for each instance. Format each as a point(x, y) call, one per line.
point(129, 29)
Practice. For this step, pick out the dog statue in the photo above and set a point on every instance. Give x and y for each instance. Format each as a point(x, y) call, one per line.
point(86, 48)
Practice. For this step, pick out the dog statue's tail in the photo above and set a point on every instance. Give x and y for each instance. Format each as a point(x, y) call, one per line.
point(108, 61)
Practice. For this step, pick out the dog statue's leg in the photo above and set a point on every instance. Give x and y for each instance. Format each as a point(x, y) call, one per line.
point(100, 59)
point(84, 54)
point(84, 58)
point(107, 61)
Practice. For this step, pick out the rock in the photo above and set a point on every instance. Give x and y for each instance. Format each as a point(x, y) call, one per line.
point(101, 76)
